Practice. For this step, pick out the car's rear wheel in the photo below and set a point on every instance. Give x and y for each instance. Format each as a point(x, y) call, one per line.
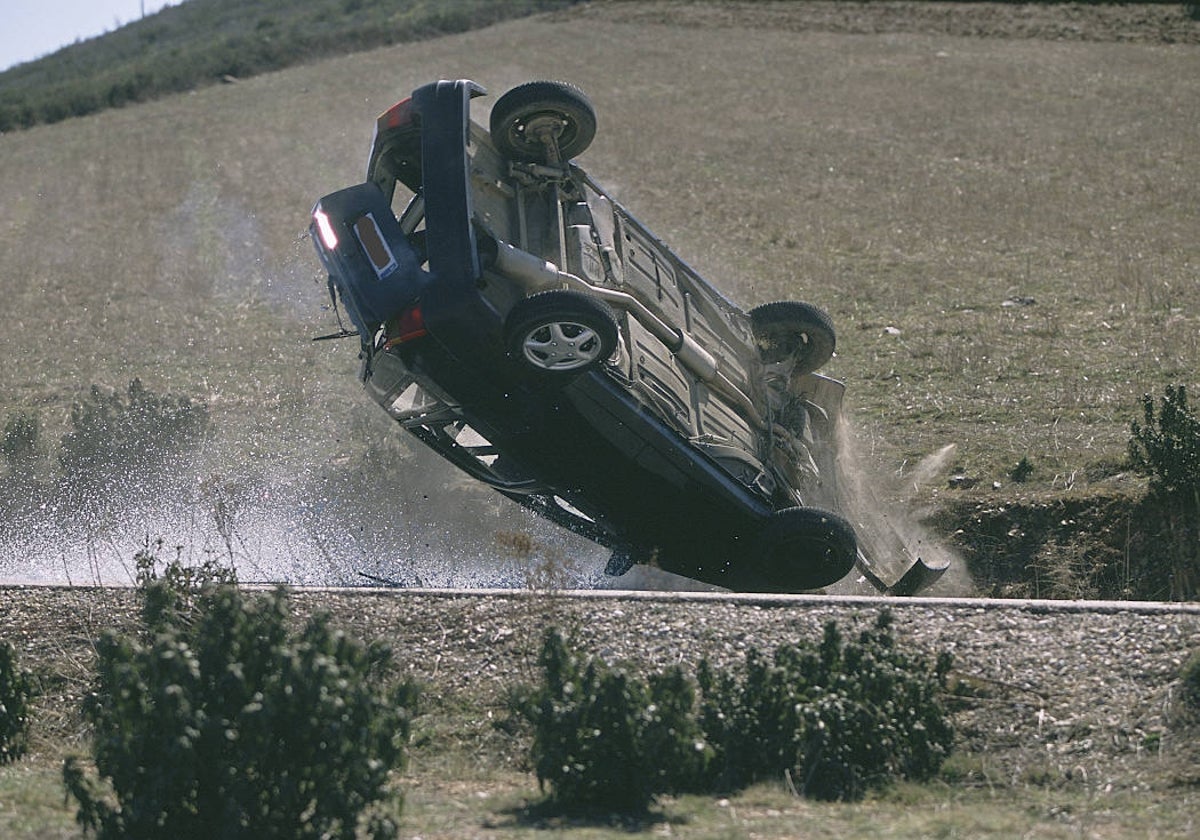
point(803, 548)
point(790, 329)
point(543, 122)
point(560, 333)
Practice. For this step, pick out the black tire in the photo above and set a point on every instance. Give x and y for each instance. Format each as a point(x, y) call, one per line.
point(560, 333)
point(803, 548)
point(790, 329)
point(527, 116)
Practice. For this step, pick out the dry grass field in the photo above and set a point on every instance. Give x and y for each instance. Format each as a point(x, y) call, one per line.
point(1004, 229)
point(1001, 215)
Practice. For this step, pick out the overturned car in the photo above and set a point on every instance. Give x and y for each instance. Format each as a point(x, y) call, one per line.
point(523, 324)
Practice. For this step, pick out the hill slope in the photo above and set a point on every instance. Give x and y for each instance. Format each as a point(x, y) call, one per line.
point(202, 42)
point(1002, 228)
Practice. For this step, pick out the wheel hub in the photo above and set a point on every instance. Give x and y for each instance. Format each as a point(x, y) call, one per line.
point(562, 346)
point(544, 130)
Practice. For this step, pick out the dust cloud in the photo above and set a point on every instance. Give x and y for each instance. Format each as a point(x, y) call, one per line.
point(888, 522)
point(397, 516)
point(410, 521)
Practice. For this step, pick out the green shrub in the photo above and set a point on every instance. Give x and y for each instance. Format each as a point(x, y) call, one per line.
point(836, 718)
point(1021, 471)
point(20, 443)
point(752, 719)
point(1189, 675)
point(1166, 447)
point(20, 488)
point(15, 691)
point(604, 740)
point(226, 725)
point(171, 596)
point(123, 451)
point(114, 439)
point(120, 449)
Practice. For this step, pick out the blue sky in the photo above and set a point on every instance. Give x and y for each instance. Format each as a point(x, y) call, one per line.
point(30, 29)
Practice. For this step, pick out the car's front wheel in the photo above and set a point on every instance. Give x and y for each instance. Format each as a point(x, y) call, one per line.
point(559, 333)
point(789, 329)
point(803, 548)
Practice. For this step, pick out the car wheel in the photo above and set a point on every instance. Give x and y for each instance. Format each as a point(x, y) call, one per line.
point(560, 332)
point(543, 122)
point(805, 548)
point(790, 329)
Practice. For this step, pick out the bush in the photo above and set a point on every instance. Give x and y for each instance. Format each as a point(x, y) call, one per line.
point(1189, 675)
point(15, 691)
point(1166, 447)
point(120, 450)
point(836, 718)
point(163, 54)
point(20, 443)
point(19, 487)
point(114, 440)
point(1021, 471)
point(123, 451)
point(224, 725)
point(171, 596)
point(604, 740)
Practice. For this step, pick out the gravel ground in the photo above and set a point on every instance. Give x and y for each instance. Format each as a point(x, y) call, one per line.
point(1063, 692)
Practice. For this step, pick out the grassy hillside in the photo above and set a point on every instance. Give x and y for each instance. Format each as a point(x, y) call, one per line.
point(1003, 229)
point(202, 42)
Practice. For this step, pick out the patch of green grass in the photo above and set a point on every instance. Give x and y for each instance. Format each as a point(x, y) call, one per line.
point(476, 803)
point(501, 807)
point(32, 800)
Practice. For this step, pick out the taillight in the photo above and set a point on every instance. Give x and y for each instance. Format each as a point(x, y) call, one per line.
point(399, 115)
point(407, 326)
